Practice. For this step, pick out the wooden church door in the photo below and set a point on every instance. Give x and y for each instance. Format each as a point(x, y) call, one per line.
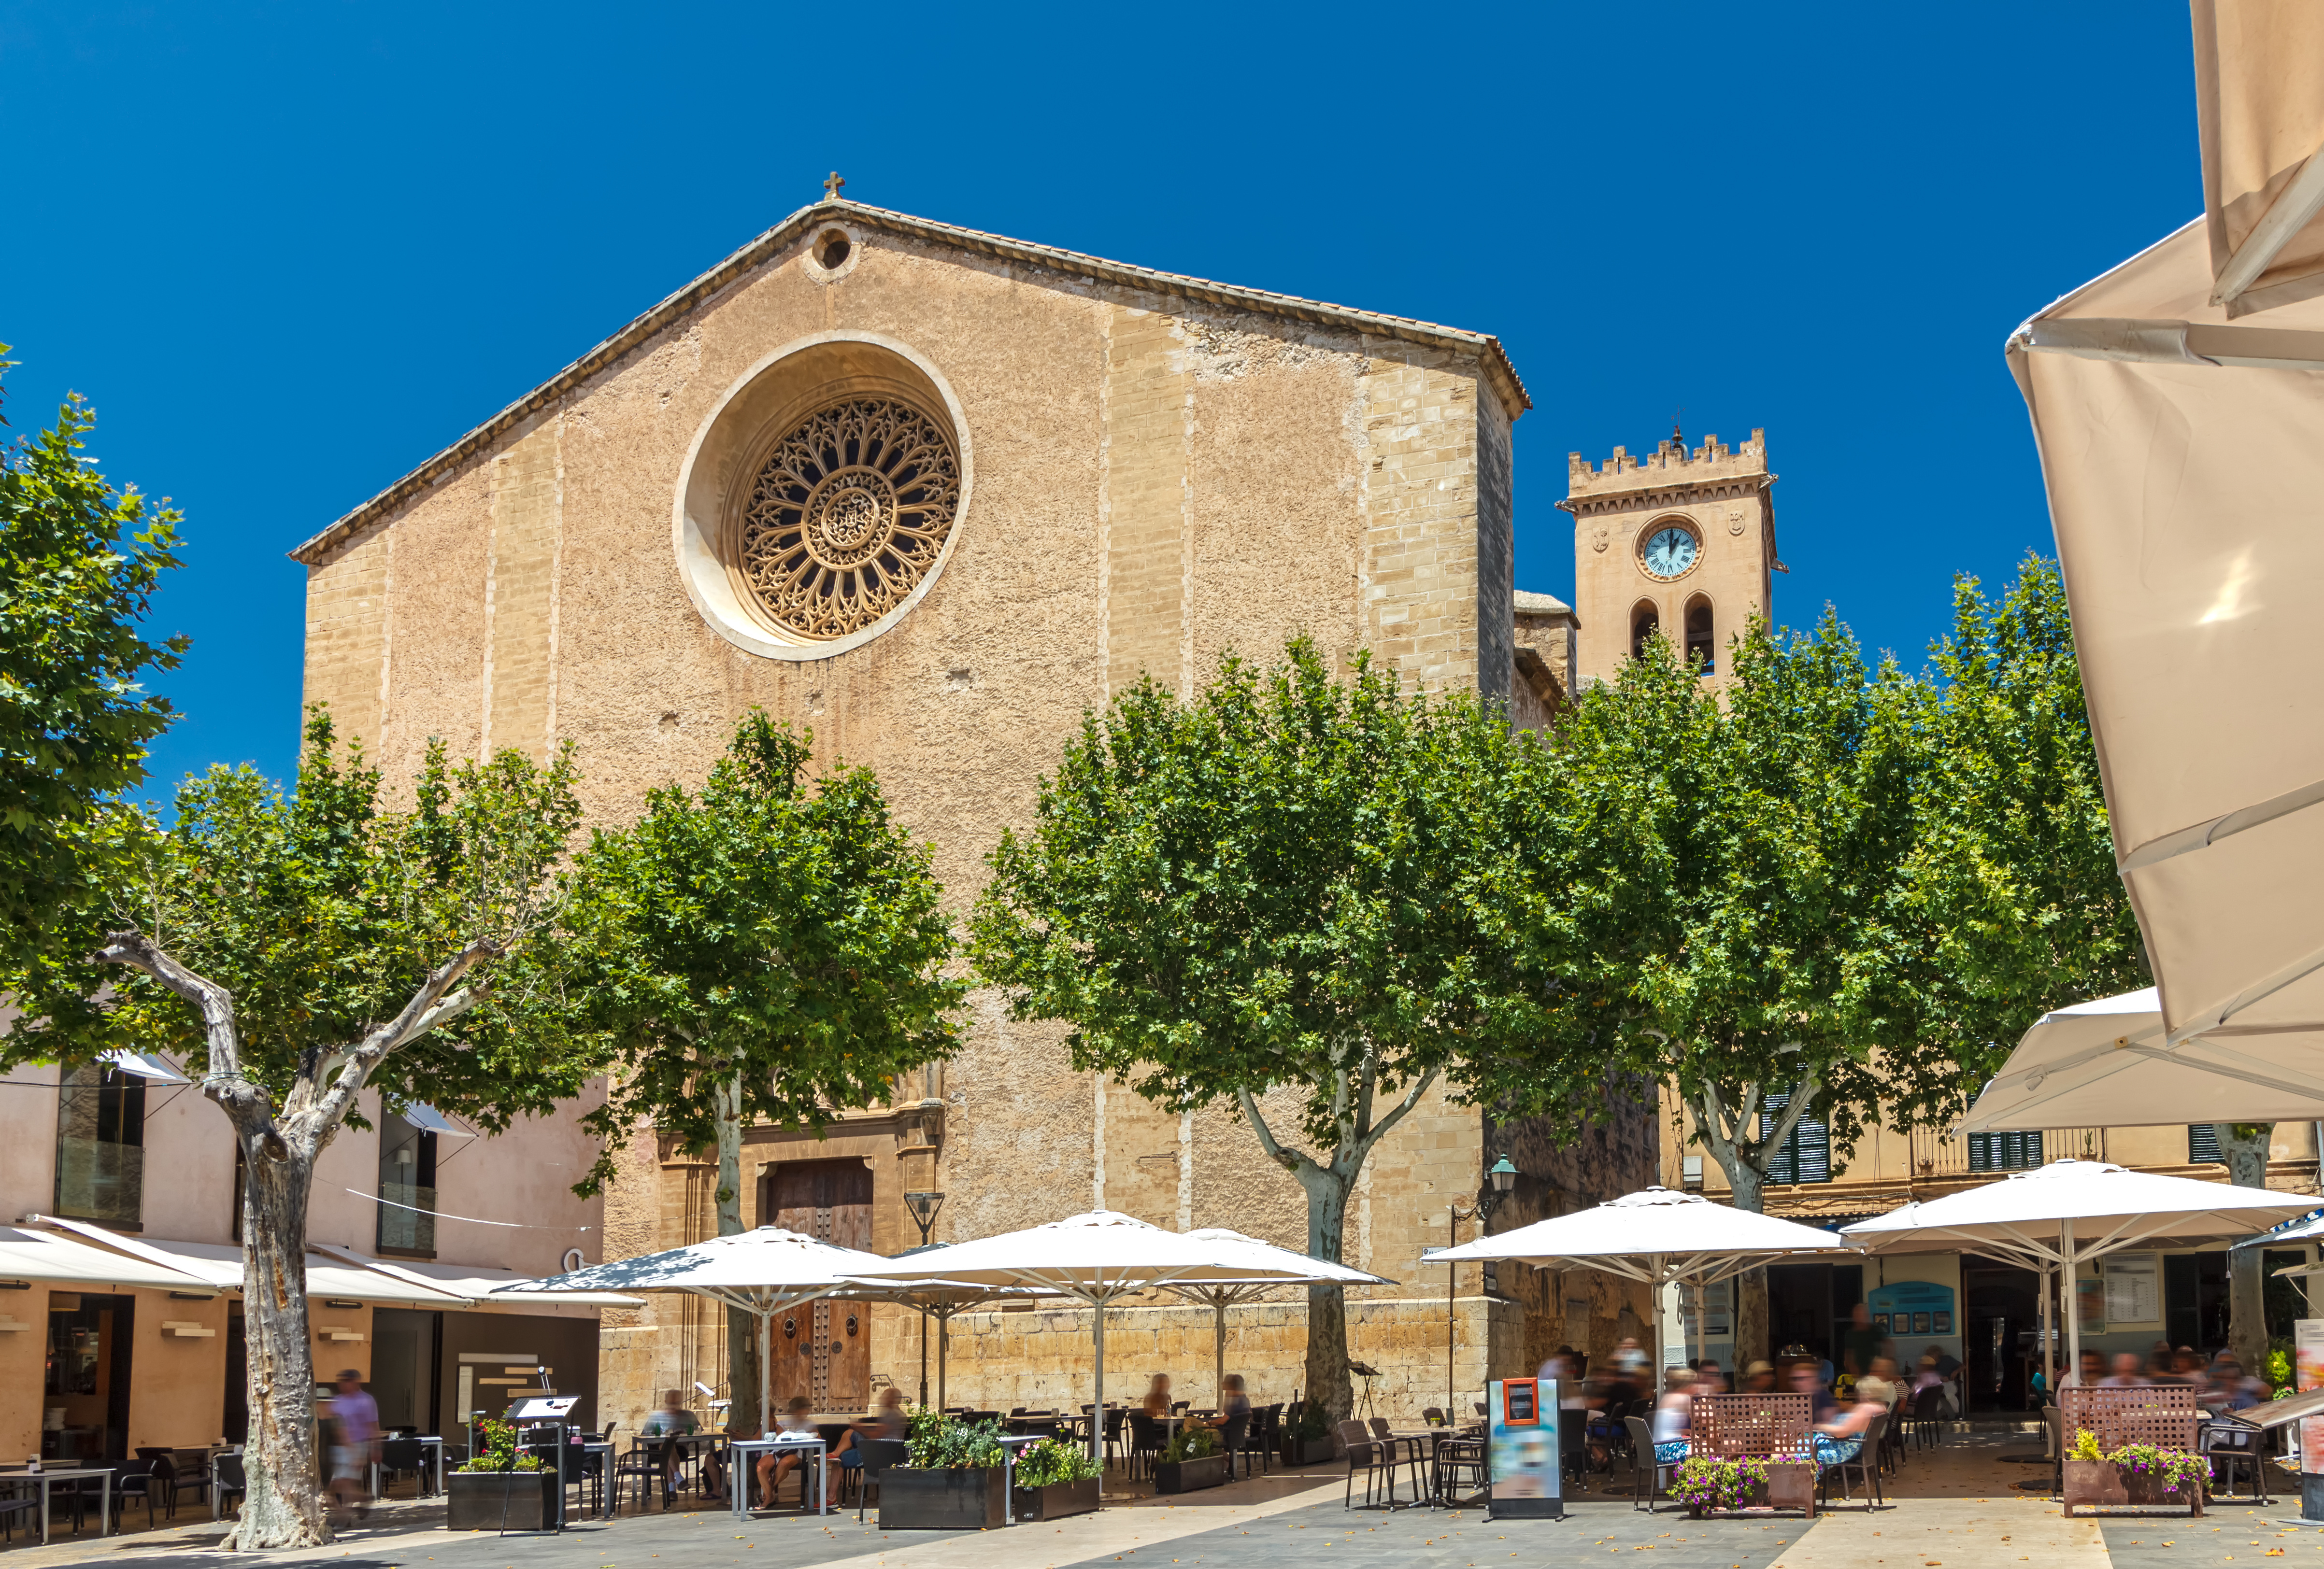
point(823, 1350)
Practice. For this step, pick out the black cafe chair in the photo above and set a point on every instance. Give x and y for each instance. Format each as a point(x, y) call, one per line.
point(879, 1454)
point(227, 1480)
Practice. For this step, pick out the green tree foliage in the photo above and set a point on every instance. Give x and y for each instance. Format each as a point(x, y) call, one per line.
point(78, 564)
point(1731, 871)
point(2012, 882)
point(297, 950)
point(759, 952)
point(1290, 886)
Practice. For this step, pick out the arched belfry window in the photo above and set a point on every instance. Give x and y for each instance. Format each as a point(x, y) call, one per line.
point(1700, 650)
point(1646, 620)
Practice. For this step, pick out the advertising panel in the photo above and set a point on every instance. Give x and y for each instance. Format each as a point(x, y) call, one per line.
point(2308, 1374)
point(1521, 1450)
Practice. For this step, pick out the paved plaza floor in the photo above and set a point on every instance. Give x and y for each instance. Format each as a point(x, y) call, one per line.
point(1950, 1508)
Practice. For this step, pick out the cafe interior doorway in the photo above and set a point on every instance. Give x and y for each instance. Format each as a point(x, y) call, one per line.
point(2001, 1330)
point(85, 1409)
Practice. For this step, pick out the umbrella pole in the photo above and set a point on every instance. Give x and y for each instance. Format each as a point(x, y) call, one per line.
point(1218, 1349)
point(1097, 1407)
point(944, 1344)
point(924, 1358)
point(2071, 1300)
point(2049, 1369)
point(766, 1373)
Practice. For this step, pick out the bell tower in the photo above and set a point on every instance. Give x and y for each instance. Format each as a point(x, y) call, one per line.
point(1681, 541)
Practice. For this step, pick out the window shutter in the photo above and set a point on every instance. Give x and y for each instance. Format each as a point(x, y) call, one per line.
point(2012, 1152)
point(1806, 1153)
point(2203, 1144)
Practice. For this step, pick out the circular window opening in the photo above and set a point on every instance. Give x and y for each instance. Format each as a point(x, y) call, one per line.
point(847, 513)
point(823, 497)
point(832, 250)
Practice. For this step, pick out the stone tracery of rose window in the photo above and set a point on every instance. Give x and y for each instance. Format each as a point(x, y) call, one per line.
point(847, 514)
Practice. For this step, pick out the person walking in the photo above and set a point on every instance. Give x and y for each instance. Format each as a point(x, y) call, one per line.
point(354, 1441)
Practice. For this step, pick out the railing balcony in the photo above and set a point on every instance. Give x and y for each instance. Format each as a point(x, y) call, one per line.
point(407, 1218)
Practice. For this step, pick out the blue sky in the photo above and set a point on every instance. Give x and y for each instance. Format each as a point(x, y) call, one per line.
point(290, 250)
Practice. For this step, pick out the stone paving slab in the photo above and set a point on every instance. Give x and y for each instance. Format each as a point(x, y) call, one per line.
point(1993, 1532)
point(2255, 1540)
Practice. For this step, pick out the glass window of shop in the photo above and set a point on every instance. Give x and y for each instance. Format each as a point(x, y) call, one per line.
point(406, 1188)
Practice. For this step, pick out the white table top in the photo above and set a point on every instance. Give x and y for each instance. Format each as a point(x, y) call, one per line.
point(60, 1473)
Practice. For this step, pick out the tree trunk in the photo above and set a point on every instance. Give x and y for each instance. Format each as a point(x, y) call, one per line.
point(1326, 1374)
point(743, 1377)
point(2245, 1147)
point(1747, 1191)
point(285, 1505)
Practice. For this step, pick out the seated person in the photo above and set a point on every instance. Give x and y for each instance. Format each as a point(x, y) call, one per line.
point(1805, 1382)
point(2129, 1372)
point(1233, 1421)
point(1158, 1396)
point(888, 1420)
point(1759, 1378)
point(1880, 1383)
point(772, 1467)
point(713, 1464)
point(1710, 1380)
point(669, 1422)
point(1670, 1412)
point(1842, 1437)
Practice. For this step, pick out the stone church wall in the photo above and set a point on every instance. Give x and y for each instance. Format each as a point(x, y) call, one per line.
point(1156, 480)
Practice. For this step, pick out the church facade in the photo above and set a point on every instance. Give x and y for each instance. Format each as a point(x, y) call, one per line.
point(931, 494)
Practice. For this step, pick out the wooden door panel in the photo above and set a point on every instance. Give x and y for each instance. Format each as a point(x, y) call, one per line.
point(831, 1351)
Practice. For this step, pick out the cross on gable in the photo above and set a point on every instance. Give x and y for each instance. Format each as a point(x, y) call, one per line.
point(831, 187)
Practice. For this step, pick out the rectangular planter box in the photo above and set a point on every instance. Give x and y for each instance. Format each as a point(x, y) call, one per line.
point(1299, 1451)
point(1059, 1500)
point(491, 1500)
point(1186, 1475)
point(1792, 1485)
point(958, 1499)
point(2100, 1484)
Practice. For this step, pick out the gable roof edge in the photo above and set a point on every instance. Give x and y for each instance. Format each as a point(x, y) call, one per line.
point(1497, 369)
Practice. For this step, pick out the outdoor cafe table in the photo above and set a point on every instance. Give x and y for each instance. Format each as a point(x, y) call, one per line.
point(739, 1454)
point(49, 1474)
point(603, 1448)
point(433, 1443)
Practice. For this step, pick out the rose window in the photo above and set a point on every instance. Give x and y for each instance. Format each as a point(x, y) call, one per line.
point(847, 514)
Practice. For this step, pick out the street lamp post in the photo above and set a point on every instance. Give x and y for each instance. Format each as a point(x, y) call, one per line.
point(1503, 1177)
point(924, 1207)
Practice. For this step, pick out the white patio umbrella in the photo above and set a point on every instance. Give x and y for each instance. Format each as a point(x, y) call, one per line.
point(1656, 1236)
point(2177, 402)
point(760, 1272)
point(2071, 1213)
point(942, 1301)
point(1097, 1259)
point(2106, 1064)
point(1219, 1295)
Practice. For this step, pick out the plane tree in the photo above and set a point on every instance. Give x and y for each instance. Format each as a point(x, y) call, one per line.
point(1291, 892)
point(763, 951)
point(298, 949)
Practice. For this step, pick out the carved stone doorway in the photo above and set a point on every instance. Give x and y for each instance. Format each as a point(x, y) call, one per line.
point(822, 1350)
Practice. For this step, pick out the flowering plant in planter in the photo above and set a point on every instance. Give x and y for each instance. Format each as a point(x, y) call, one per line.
point(1704, 1483)
point(2179, 1471)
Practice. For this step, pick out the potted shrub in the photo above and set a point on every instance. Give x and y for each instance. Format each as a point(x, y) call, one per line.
point(1193, 1459)
point(1056, 1479)
point(952, 1478)
point(1309, 1440)
point(499, 1489)
point(1791, 1483)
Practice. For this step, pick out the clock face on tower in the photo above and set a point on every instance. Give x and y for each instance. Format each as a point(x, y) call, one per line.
point(1669, 551)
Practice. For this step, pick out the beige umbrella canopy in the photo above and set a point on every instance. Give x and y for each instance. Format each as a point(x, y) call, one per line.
point(2103, 1064)
point(2178, 405)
